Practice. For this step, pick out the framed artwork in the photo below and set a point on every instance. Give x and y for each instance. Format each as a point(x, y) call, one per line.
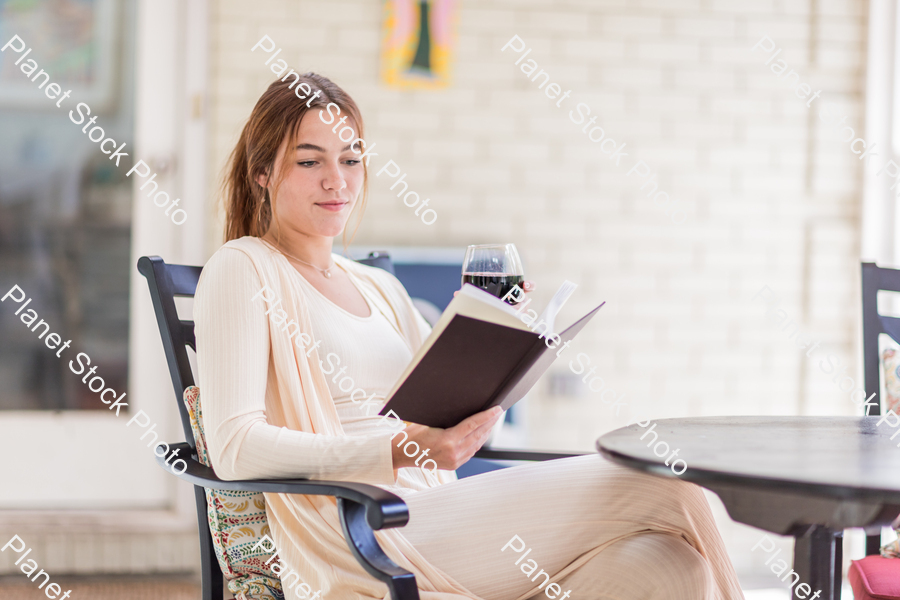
point(72, 40)
point(418, 41)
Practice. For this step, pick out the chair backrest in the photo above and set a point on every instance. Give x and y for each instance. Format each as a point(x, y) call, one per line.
point(168, 281)
point(875, 279)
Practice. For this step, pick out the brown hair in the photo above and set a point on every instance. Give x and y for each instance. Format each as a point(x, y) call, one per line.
point(248, 208)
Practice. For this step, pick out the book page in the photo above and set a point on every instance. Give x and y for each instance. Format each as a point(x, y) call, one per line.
point(556, 304)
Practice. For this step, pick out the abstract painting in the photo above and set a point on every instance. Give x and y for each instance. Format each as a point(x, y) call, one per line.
point(418, 42)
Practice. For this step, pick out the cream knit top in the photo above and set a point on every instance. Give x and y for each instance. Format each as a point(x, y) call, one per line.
point(270, 411)
point(364, 353)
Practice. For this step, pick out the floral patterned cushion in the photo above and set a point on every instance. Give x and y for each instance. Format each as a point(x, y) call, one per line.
point(237, 521)
point(890, 364)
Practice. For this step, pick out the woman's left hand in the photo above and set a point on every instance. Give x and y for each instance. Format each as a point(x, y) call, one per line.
point(527, 286)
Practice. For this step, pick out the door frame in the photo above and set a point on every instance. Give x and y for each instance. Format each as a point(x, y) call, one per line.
point(170, 135)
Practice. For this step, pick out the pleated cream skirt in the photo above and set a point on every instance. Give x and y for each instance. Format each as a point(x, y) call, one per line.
point(596, 530)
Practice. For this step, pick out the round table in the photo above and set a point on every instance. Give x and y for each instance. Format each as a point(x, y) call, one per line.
point(810, 477)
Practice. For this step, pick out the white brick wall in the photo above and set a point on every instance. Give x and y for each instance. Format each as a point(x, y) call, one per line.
point(771, 197)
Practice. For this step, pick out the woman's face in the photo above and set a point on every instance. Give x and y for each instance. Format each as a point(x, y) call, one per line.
point(322, 178)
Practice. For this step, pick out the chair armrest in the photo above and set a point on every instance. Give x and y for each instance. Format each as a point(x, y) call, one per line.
point(383, 509)
point(525, 454)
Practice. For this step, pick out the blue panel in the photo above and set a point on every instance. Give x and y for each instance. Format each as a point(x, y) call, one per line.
point(435, 283)
point(477, 466)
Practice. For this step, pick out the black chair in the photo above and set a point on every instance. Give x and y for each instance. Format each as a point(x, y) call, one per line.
point(821, 546)
point(874, 279)
point(362, 508)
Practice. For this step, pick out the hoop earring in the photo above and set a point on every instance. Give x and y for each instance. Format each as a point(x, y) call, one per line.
point(259, 209)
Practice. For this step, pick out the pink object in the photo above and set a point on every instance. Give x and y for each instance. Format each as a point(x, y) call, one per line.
point(875, 578)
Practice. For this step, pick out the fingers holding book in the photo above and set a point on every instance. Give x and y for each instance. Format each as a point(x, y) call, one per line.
point(449, 448)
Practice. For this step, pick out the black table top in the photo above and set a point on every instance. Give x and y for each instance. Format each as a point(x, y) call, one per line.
point(836, 457)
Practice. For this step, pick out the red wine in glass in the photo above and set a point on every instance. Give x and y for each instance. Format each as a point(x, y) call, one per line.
point(496, 284)
point(495, 268)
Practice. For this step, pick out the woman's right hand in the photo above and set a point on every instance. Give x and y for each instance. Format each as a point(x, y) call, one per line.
point(448, 448)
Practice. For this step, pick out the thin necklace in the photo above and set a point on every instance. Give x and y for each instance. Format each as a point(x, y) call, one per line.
point(325, 272)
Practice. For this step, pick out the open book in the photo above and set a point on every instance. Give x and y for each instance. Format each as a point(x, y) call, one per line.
point(480, 354)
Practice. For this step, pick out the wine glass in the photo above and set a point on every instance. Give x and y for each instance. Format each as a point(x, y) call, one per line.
point(495, 268)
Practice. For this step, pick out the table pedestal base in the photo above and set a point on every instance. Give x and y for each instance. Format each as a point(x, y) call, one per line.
point(818, 555)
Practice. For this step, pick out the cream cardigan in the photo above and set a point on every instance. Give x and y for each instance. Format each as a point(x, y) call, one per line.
point(268, 413)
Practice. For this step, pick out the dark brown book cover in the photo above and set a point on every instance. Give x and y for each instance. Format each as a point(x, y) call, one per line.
point(472, 366)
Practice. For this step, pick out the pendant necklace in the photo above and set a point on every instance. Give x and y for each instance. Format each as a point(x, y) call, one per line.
point(325, 272)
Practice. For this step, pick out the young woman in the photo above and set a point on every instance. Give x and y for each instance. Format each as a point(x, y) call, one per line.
point(282, 324)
